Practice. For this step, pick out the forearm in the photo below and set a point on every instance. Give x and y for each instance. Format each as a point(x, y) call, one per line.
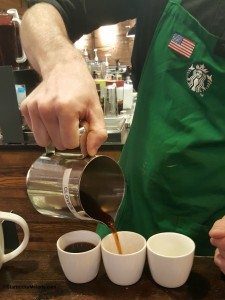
point(67, 94)
point(44, 38)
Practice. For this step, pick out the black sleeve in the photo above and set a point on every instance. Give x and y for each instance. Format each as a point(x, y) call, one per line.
point(84, 16)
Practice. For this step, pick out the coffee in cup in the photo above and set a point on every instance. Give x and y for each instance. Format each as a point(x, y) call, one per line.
point(79, 254)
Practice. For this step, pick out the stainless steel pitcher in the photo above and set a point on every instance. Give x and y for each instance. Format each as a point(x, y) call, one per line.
point(56, 181)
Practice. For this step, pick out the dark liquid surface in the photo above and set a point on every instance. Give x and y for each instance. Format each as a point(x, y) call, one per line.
point(79, 247)
point(93, 210)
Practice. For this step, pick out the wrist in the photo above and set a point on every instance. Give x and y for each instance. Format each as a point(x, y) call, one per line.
point(60, 54)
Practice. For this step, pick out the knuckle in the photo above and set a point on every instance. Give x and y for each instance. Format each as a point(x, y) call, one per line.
point(44, 109)
point(62, 107)
point(59, 106)
point(103, 135)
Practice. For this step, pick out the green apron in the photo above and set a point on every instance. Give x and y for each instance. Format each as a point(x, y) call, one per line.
point(174, 157)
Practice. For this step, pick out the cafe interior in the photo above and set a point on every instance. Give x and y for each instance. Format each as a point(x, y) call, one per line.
point(52, 201)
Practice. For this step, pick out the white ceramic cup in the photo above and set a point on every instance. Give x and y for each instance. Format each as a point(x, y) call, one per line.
point(170, 258)
point(125, 268)
point(80, 267)
point(6, 216)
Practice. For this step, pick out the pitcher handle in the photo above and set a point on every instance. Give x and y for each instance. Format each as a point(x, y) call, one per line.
point(50, 150)
point(13, 12)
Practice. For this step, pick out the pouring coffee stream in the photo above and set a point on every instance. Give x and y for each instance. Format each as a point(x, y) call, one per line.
point(90, 206)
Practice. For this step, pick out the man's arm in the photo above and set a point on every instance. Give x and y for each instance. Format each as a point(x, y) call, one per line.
point(67, 95)
point(44, 37)
point(83, 16)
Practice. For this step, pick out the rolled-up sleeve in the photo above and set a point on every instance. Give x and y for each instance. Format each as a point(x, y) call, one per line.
point(84, 16)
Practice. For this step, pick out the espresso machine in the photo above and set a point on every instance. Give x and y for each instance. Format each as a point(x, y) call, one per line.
point(15, 76)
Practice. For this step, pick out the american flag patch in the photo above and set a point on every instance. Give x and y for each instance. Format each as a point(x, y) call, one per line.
point(181, 45)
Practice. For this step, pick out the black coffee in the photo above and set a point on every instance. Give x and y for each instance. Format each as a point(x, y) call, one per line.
point(79, 247)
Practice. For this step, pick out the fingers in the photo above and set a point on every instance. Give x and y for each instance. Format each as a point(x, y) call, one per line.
point(51, 126)
point(218, 229)
point(39, 130)
point(217, 234)
point(55, 109)
point(57, 122)
point(218, 243)
point(219, 260)
point(93, 120)
point(51, 123)
point(97, 133)
point(25, 114)
point(94, 140)
point(30, 112)
point(68, 128)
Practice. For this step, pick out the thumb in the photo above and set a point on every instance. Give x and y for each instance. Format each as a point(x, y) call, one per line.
point(95, 139)
point(97, 133)
point(218, 229)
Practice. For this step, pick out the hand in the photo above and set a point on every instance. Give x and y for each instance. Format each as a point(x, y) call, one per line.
point(217, 234)
point(65, 98)
point(67, 95)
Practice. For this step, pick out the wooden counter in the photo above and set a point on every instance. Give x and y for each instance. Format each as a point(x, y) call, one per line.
point(37, 275)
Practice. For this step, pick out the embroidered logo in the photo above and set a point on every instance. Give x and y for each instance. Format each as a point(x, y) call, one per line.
point(181, 45)
point(198, 78)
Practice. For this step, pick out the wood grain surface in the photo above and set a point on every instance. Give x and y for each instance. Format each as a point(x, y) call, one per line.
point(37, 275)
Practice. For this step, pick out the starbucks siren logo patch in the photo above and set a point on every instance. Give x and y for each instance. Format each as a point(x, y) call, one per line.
point(198, 78)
